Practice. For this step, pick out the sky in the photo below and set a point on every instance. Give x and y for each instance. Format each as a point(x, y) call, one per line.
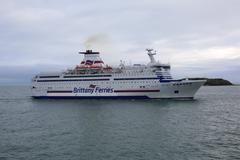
point(198, 38)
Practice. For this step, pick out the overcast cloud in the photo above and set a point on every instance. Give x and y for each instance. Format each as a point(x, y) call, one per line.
point(198, 38)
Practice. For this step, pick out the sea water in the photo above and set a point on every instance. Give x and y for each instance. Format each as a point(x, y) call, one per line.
point(205, 128)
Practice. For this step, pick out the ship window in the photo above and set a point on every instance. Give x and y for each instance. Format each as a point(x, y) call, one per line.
point(176, 91)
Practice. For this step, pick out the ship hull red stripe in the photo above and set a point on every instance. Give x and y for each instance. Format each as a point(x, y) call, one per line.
point(59, 91)
point(155, 90)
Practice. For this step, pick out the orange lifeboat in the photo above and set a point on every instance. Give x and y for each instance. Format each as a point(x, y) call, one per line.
point(107, 67)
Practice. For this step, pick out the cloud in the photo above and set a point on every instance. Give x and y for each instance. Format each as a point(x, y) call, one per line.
point(188, 34)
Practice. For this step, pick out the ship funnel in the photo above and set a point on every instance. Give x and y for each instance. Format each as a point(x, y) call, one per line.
point(91, 58)
point(151, 54)
point(88, 52)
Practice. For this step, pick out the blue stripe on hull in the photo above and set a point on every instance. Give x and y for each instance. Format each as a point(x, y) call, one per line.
point(91, 97)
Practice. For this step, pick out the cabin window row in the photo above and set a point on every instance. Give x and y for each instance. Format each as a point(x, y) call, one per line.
point(179, 84)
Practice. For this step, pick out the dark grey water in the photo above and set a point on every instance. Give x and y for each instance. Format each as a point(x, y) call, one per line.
point(206, 128)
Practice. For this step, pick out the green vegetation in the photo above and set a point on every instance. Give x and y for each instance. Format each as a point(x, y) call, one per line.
point(214, 81)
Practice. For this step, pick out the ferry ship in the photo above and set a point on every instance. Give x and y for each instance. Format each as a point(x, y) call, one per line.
point(93, 79)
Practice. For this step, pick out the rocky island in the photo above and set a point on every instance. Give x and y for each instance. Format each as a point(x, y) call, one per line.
point(214, 81)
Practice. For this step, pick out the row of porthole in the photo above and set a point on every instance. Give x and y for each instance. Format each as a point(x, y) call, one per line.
point(179, 84)
point(119, 82)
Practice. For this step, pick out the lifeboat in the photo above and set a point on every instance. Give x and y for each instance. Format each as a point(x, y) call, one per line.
point(107, 67)
point(88, 67)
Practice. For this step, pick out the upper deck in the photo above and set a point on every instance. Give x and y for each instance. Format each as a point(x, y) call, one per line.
point(93, 66)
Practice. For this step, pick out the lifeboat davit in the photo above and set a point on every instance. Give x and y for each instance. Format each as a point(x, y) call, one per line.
point(107, 67)
point(88, 67)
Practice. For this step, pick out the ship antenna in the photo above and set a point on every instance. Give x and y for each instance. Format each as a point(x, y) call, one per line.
point(151, 54)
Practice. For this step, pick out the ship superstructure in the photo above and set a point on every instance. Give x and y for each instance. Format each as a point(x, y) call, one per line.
point(92, 78)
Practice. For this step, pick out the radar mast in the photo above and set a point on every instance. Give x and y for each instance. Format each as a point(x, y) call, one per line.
point(151, 55)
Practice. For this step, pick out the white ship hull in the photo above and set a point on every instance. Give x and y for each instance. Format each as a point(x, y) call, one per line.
point(185, 89)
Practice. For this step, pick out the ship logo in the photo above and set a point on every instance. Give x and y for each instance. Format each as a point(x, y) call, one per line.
point(92, 89)
point(92, 86)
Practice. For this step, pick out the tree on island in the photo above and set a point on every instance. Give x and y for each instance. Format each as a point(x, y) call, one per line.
point(214, 81)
